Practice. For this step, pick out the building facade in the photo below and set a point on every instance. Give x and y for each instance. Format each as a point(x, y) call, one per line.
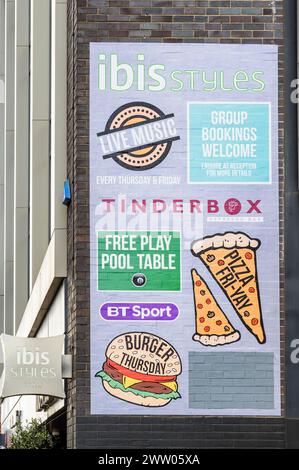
point(33, 169)
point(46, 119)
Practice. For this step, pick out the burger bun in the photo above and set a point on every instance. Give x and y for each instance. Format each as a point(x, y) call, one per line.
point(115, 349)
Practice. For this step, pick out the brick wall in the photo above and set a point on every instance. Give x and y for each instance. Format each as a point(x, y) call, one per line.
point(254, 22)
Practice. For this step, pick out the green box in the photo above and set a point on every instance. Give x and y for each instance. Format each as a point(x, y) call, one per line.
point(156, 256)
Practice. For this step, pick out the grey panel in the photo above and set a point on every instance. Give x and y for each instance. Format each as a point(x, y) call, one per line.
point(231, 380)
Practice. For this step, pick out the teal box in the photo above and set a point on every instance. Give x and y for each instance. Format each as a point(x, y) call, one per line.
point(229, 143)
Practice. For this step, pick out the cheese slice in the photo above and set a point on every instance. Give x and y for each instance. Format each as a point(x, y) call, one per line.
point(128, 382)
point(172, 385)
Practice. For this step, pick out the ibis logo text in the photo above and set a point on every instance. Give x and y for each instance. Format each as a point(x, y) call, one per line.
point(32, 357)
point(32, 364)
point(115, 74)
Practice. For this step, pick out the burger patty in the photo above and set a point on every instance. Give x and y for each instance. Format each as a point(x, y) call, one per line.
point(153, 387)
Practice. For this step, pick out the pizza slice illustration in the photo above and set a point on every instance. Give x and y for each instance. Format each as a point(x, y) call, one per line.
point(212, 326)
point(231, 259)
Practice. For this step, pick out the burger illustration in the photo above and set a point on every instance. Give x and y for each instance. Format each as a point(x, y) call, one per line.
point(141, 368)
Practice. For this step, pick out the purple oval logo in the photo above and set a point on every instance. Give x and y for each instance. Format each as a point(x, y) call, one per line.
point(139, 311)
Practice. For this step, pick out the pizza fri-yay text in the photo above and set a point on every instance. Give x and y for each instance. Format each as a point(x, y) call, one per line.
point(236, 272)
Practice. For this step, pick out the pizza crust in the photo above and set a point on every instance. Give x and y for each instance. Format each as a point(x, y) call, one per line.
point(214, 340)
point(226, 240)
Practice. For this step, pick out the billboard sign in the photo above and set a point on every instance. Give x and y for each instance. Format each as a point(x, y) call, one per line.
point(184, 229)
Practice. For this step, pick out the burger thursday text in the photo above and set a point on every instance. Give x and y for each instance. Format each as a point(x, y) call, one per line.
point(152, 345)
point(140, 365)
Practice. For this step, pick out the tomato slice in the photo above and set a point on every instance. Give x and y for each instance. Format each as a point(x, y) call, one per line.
point(139, 376)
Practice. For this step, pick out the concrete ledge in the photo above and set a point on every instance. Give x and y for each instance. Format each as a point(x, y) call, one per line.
point(49, 278)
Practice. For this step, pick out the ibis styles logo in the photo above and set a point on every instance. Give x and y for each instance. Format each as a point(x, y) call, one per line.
point(116, 74)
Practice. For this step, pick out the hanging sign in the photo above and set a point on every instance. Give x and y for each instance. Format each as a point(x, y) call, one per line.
point(34, 366)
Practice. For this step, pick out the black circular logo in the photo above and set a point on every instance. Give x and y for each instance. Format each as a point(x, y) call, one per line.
point(139, 280)
point(132, 114)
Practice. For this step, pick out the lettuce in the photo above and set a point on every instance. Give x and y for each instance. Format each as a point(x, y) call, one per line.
point(114, 384)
